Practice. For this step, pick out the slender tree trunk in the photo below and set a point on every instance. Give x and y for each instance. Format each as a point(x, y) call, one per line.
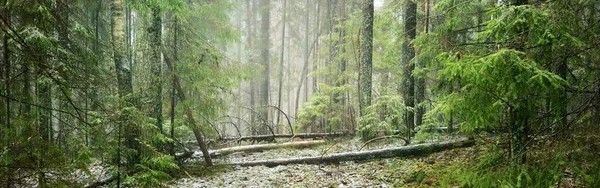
point(563, 101)
point(173, 100)
point(281, 61)
point(317, 60)
point(250, 8)
point(7, 73)
point(306, 54)
point(598, 99)
point(290, 68)
point(7, 70)
point(240, 99)
point(3, 67)
point(334, 45)
point(420, 85)
point(408, 53)
point(342, 49)
point(520, 125)
point(366, 55)
point(155, 32)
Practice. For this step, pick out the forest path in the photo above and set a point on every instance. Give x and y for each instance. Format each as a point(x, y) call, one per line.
point(372, 173)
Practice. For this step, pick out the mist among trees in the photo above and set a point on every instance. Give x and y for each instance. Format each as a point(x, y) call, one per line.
point(299, 93)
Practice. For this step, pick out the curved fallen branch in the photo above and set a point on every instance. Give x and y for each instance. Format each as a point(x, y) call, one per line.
point(385, 137)
point(286, 117)
point(299, 135)
point(418, 149)
point(265, 122)
point(234, 125)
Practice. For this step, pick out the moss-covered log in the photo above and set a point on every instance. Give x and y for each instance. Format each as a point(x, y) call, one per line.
point(419, 149)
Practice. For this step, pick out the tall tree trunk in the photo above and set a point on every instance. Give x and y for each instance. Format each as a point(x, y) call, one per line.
point(281, 61)
point(334, 45)
point(420, 85)
point(306, 54)
point(173, 100)
point(250, 8)
point(3, 67)
point(5, 11)
point(7, 69)
point(124, 84)
point(342, 48)
point(408, 53)
point(265, 9)
point(366, 55)
point(155, 32)
point(317, 60)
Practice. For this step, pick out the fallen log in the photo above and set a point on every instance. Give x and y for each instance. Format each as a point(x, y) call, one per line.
point(253, 148)
point(262, 147)
point(101, 182)
point(419, 149)
point(299, 135)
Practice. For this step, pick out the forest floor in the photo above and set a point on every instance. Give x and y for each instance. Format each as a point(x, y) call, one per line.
point(392, 172)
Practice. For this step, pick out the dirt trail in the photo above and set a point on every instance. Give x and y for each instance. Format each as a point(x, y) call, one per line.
point(374, 173)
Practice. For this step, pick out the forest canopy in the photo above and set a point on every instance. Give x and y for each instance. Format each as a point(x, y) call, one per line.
point(139, 92)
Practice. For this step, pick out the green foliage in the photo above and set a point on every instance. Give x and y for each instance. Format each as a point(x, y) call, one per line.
point(493, 170)
point(432, 121)
point(487, 89)
point(153, 171)
point(322, 106)
point(383, 116)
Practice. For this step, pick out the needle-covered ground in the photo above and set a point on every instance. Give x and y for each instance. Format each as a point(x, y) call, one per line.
point(391, 172)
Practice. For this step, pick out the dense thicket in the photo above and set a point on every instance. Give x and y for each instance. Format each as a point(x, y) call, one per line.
point(83, 83)
point(124, 84)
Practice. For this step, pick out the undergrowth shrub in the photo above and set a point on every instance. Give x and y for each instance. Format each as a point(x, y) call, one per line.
point(494, 169)
point(153, 171)
point(325, 111)
point(385, 115)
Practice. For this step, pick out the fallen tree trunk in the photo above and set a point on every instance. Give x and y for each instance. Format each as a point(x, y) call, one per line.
point(251, 148)
point(418, 149)
point(101, 182)
point(299, 135)
point(262, 147)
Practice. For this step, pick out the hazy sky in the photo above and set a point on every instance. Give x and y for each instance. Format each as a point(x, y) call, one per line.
point(378, 4)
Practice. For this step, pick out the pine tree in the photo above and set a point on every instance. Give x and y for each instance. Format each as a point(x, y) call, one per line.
point(366, 55)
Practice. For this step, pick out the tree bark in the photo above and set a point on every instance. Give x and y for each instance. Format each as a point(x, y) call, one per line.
point(420, 81)
point(4, 74)
point(155, 32)
point(279, 94)
point(408, 53)
point(265, 7)
point(124, 83)
point(419, 149)
point(173, 99)
point(250, 7)
point(262, 147)
point(306, 54)
point(7, 68)
point(366, 55)
point(342, 50)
